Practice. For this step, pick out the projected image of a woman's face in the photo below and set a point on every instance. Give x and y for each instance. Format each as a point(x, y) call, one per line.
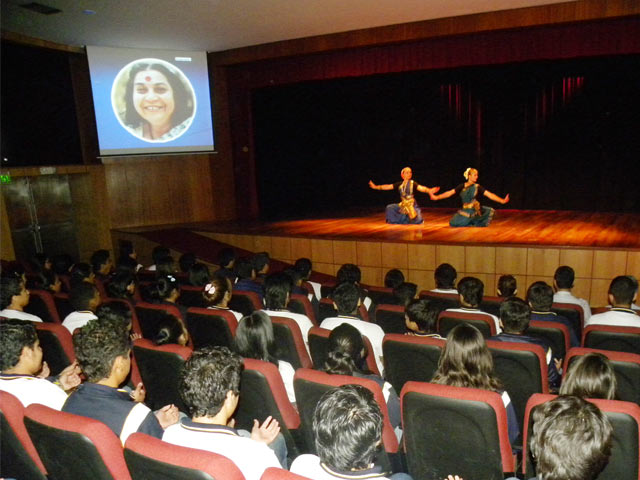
point(153, 100)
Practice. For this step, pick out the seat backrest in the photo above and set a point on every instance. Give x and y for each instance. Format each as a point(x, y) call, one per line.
point(63, 305)
point(209, 326)
point(71, 446)
point(455, 429)
point(522, 368)
point(288, 336)
point(159, 368)
point(380, 295)
point(391, 318)
point(556, 334)
point(245, 302)
point(273, 473)
point(447, 320)
point(326, 309)
point(408, 358)
point(191, 296)
point(41, 304)
point(135, 324)
point(491, 304)
point(310, 385)
point(18, 456)
point(299, 303)
point(148, 316)
point(609, 337)
point(57, 346)
point(319, 348)
point(263, 394)
point(626, 366)
point(325, 290)
point(624, 463)
point(571, 312)
point(443, 300)
point(148, 457)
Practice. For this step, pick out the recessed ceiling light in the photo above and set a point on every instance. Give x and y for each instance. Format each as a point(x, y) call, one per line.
point(89, 12)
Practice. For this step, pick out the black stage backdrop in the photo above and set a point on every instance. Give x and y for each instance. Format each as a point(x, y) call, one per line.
point(556, 135)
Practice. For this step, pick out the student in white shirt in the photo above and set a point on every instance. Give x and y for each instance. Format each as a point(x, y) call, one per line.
point(14, 296)
point(471, 291)
point(84, 299)
point(562, 284)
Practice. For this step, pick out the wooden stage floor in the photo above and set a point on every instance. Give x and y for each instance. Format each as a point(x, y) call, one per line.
point(509, 228)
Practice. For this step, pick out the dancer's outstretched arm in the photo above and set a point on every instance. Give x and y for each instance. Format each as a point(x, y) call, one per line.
point(496, 198)
point(443, 195)
point(387, 186)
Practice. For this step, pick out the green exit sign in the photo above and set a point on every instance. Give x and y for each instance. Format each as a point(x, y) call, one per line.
point(5, 179)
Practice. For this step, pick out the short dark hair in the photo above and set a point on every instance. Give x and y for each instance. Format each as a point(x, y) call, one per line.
point(186, 261)
point(445, 276)
point(590, 376)
point(347, 425)
point(623, 289)
point(276, 288)
point(346, 351)
point(571, 439)
point(118, 284)
point(254, 337)
point(159, 252)
point(294, 275)
point(81, 295)
point(244, 268)
point(161, 288)
point(116, 312)
point(199, 274)
point(165, 266)
point(507, 286)
point(260, 260)
point(10, 286)
point(346, 296)
point(169, 329)
point(61, 263)
point(303, 265)
point(206, 378)
point(349, 273)
point(393, 278)
point(97, 345)
point(226, 256)
point(540, 296)
point(125, 248)
point(405, 292)
point(98, 259)
point(80, 272)
point(127, 264)
point(472, 290)
point(515, 314)
point(424, 313)
point(14, 336)
point(564, 277)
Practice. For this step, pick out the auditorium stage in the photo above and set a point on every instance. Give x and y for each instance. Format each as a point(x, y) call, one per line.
point(527, 244)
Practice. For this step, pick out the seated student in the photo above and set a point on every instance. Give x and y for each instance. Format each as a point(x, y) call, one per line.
point(186, 261)
point(199, 275)
point(23, 371)
point(304, 266)
point(277, 291)
point(590, 376)
point(246, 273)
point(254, 339)
point(14, 296)
point(347, 355)
point(540, 298)
point(50, 281)
point(346, 298)
point(164, 291)
point(103, 349)
point(166, 266)
point(634, 280)
point(226, 261)
point(404, 293)
point(622, 294)
point(421, 318)
point(467, 362)
point(563, 280)
point(84, 299)
point(515, 315)
point(445, 277)
point(217, 294)
point(507, 286)
point(571, 439)
point(351, 273)
point(157, 253)
point(128, 258)
point(101, 264)
point(170, 330)
point(393, 278)
point(261, 265)
point(210, 388)
point(471, 290)
point(347, 427)
point(82, 273)
point(122, 285)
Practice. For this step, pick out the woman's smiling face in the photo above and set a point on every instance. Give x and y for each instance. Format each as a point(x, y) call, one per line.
point(153, 97)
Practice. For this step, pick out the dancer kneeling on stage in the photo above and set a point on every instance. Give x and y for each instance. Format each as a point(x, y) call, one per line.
point(472, 214)
point(407, 211)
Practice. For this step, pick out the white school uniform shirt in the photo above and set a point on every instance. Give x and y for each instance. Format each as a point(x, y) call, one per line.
point(29, 389)
point(77, 320)
point(568, 297)
point(619, 317)
point(18, 315)
point(480, 312)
